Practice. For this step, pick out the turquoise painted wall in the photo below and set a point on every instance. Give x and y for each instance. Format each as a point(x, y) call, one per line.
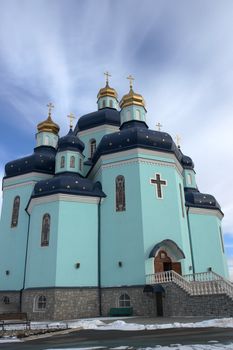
point(133, 113)
point(189, 178)
point(164, 218)
point(106, 102)
point(41, 262)
point(73, 238)
point(77, 243)
point(68, 154)
point(46, 139)
point(97, 135)
point(13, 239)
point(121, 232)
point(207, 246)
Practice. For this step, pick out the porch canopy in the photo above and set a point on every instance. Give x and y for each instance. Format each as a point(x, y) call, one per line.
point(171, 247)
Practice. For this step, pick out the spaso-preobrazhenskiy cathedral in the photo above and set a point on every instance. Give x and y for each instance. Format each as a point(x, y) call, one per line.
point(109, 220)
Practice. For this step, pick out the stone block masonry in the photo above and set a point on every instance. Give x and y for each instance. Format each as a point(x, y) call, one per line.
point(73, 303)
point(61, 303)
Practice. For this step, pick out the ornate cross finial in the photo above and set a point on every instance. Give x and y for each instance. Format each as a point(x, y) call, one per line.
point(50, 107)
point(71, 116)
point(107, 76)
point(178, 139)
point(159, 126)
point(131, 79)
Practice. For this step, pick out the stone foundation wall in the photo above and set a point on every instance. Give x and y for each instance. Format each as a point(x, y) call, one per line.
point(61, 303)
point(143, 304)
point(72, 303)
point(176, 302)
point(14, 301)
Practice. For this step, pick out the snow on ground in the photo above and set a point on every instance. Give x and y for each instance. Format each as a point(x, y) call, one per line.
point(98, 324)
point(9, 340)
point(171, 347)
point(122, 325)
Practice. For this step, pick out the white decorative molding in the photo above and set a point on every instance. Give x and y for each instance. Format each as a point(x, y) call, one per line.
point(61, 197)
point(206, 211)
point(134, 153)
point(13, 181)
point(105, 127)
point(22, 184)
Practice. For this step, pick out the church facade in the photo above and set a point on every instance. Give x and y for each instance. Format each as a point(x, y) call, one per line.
point(89, 219)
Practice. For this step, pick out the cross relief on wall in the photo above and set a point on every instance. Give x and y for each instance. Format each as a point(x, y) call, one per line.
point(158, 182)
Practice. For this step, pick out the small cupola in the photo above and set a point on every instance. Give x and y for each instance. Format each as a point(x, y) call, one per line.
point(69, 156)
point(107, 96)
point(47, 134)
point(132, 105)
point(188, 169)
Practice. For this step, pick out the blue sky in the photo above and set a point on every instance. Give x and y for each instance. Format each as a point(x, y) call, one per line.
point(180, 53)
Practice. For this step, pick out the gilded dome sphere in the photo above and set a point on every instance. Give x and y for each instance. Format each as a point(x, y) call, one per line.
point(132, 98)
point(48, 125)
point(107, 91)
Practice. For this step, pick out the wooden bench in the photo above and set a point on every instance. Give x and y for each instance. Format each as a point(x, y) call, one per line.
point(121, 311)
point(14, 316)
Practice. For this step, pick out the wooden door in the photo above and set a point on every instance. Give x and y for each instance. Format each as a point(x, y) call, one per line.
point(159, 303)
point(176, 266)
point(162, 262)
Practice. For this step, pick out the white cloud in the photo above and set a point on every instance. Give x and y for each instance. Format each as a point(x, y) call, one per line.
point(181, 56)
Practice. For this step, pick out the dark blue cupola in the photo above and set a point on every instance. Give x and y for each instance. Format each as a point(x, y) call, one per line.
point(43, 158)
point(69, 177)
point(69, 156)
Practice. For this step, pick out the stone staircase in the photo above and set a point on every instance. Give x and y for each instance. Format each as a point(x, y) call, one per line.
point(203, 283)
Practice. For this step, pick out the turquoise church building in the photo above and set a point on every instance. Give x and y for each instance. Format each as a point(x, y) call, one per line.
point(108, 219)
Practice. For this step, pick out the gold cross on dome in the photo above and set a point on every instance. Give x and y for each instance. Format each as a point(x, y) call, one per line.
point(159, 126)
point(131, 79)
point(71, 116)
point(178, 139)
point(107, 76)
point(50, 107)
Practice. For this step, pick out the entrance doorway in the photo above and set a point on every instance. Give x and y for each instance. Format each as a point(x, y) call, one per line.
point(159, 303)
point(163, 262)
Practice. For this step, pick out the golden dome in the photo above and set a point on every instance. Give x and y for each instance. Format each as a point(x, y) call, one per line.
point(107, 91)
point(132, 99)
point(48, 124)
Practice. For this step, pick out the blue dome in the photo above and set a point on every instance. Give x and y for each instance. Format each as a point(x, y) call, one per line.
point(136, 134)
point(193, 198)
point(70, 142)
point(42, 161)
point(69, 183)
point(187, 162)
point(108, 116)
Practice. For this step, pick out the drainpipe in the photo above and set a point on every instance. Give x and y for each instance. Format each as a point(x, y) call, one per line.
point(190, 242)
point(99, 259)
point(25, 262)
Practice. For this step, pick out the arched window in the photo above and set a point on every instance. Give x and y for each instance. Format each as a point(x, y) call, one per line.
point(6, 300)
point(40, 303)
point(128, 116)
point(92, 147)
point(80, 164)
point(72, 161)
point(104, 104)
point(45, 230)
point(46, 140)
point(15, 212)
point(189, 179)
point(111, 104)
point(62, 161)
point(124, 300)
point(138, 114)
point(120, 193)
